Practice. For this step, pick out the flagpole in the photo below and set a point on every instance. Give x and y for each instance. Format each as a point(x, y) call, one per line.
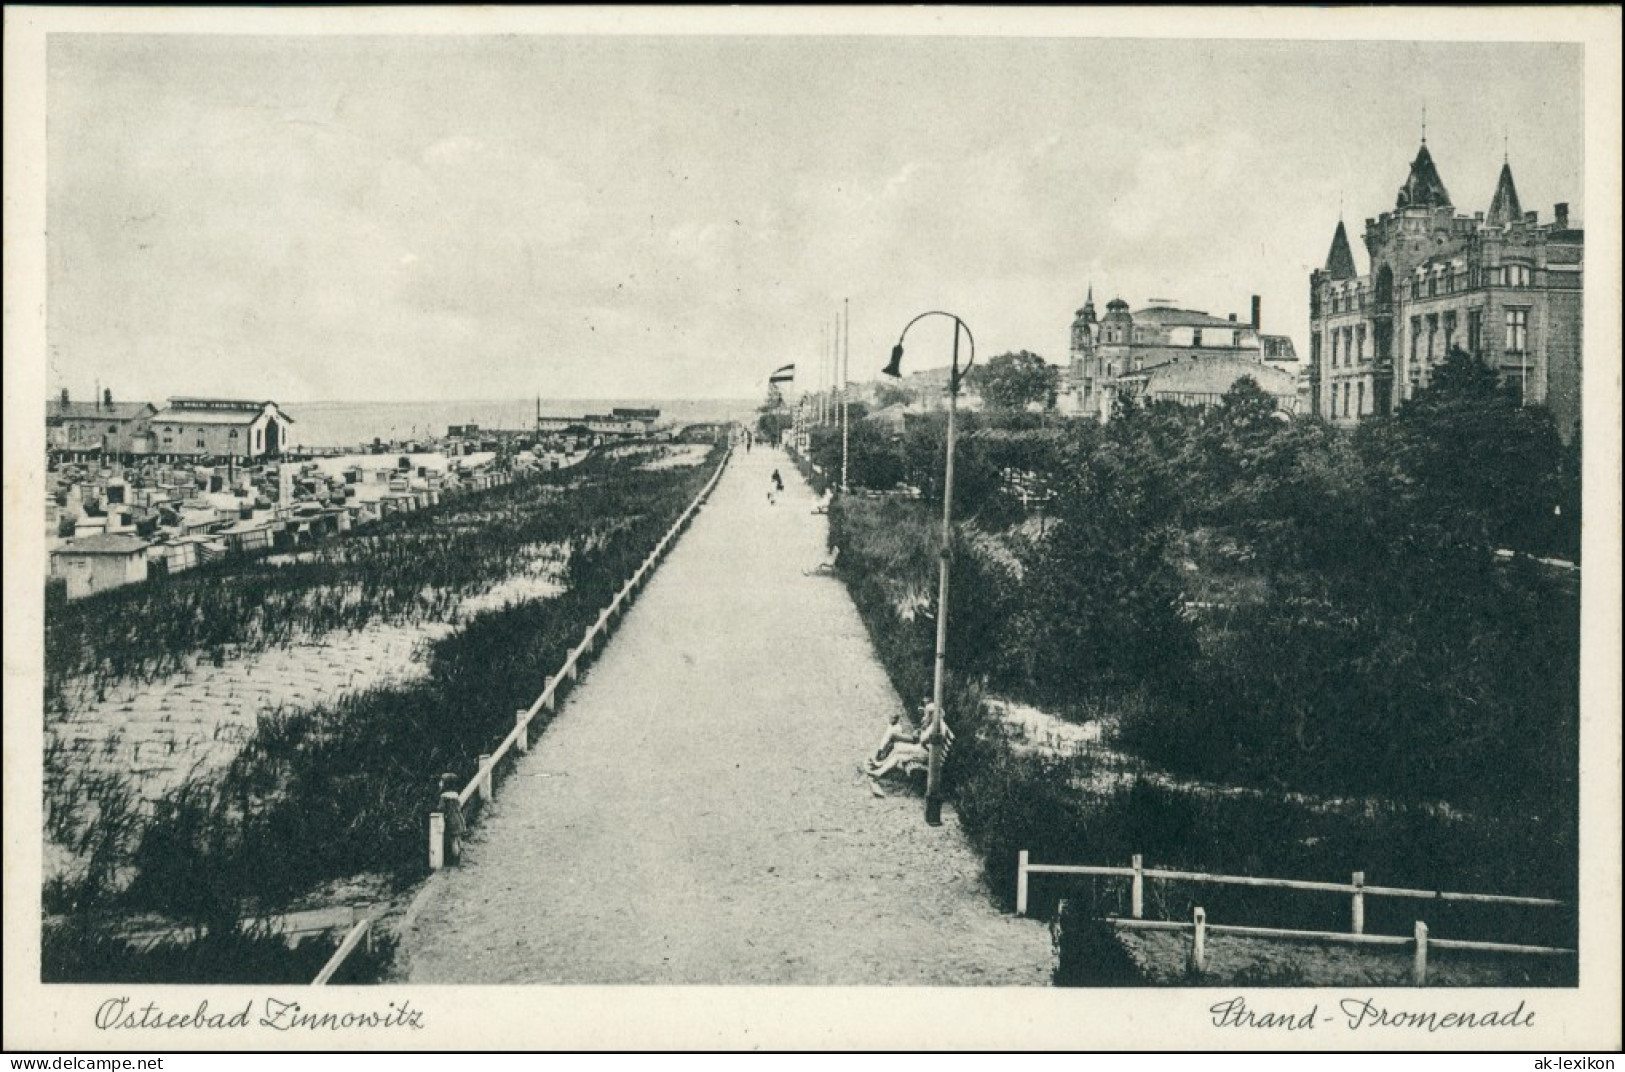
point(846, 358)
point(823, 352)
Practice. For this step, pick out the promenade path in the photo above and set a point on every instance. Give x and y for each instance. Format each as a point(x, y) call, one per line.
point(697, 813)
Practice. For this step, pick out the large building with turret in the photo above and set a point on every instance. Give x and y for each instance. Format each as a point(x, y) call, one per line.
point(1504, 286)
point(1166, 354)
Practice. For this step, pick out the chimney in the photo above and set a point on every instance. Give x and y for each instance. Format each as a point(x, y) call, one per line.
point(64, 399)
point(1258, 305)
point(1232, 318)
point(107, 397)
point(1561, 211)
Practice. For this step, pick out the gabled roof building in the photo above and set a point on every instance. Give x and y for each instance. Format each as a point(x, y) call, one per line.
point(219, 428)
point(101, 427)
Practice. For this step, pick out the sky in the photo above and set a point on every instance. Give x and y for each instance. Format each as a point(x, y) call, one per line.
point(423, 218)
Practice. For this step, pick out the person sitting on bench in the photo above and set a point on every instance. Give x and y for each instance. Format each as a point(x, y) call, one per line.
point(907, 747)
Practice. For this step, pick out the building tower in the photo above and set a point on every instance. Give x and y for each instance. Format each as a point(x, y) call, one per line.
point(1085, 333)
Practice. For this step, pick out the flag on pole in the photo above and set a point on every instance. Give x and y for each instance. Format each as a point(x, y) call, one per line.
point(783, 375)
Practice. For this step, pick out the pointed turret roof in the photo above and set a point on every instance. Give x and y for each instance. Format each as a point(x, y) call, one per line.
point(1424, 188)
point(1504, 207)
point(1340, 259)
point(1086, 315)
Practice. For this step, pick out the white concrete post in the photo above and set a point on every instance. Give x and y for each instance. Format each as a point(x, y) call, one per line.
point(363, 911)
point(1199, 941)
point(1021, 883)
point(1419, 963)
point(437, 841)
point(1137, 892)
point(1357, 907)
point(522, 723)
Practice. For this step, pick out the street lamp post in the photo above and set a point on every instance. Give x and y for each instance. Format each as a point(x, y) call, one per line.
point(934, 732)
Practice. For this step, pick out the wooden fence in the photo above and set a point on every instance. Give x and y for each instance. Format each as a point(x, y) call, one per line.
point(454, 809)
point(1355, 889)
point(359, 936)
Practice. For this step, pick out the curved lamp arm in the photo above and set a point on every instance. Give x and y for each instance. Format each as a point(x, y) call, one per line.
point(895, 368)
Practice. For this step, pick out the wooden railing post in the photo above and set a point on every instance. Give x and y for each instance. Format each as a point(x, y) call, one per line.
point(1419, 962)
point(550, 695)
point(521, 722)
point(1021, 883)
point(1199, 941)
point(1357, 905)
point(1137, 891)
point(486, 789)
point(451, 811)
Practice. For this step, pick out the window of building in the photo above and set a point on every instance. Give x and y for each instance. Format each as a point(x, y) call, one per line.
point(1517, 275)
point(1517, 331)
point(1416, 335)
point(1359, 406)
point(112, 429)
point(1433, 285)
point(201, 445)
point(1196, 337)
point(1433, 334)
point(1359, 343)
point(1449, 331)
point(1475, 330)
point(1334, 334)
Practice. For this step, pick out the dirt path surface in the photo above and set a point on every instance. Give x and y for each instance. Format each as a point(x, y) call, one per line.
point(697, 813)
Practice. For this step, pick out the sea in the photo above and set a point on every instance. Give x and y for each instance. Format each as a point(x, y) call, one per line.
point(325, 425)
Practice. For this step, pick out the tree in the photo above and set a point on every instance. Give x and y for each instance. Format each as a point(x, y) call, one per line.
point(890, 394)
point(1464, 462)
point(1100, 601)
point(1016, 380)
point(773, 420)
